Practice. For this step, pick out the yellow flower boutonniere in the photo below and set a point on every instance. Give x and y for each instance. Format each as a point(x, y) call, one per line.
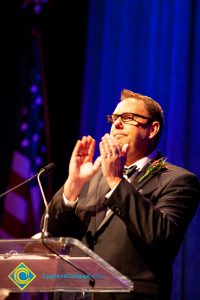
point(156, 167)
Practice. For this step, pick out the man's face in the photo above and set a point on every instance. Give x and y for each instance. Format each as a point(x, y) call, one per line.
point(135, 132)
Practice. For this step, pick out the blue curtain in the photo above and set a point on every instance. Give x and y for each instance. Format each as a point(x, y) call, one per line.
point(151, 47)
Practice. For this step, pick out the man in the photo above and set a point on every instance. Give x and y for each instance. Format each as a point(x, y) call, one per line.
point(146, 214)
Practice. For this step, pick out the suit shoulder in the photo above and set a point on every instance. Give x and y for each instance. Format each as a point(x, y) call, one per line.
point(180, 170)
point(178, 173)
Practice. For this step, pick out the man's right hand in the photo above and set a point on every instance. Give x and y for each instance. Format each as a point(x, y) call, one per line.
point(81, 167)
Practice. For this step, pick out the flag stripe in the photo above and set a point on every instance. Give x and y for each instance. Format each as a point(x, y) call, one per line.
point(16, 206)
point(21, 164)
point(10, 222)
point(22, 206)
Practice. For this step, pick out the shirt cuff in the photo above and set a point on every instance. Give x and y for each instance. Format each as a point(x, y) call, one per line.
point(67, 202)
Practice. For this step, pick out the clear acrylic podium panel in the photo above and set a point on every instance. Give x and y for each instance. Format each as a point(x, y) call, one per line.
point(56, 264)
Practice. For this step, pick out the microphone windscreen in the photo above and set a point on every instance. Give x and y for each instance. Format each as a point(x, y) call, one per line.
point(48, 168)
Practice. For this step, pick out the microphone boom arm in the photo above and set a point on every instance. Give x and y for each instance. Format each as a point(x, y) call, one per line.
point(17, 186)
point(46, 216)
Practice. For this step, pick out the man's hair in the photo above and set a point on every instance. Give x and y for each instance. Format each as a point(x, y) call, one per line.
point(154, 109)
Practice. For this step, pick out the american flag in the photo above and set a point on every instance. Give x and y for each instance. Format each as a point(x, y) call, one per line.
point(22, 207)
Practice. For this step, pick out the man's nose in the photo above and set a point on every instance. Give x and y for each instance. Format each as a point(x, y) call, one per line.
point(118, 122)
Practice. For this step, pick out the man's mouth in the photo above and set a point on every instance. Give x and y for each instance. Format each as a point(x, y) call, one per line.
point(119, 134)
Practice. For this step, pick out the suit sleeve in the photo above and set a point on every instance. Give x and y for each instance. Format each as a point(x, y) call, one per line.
point(62, 219)
point(161, 210)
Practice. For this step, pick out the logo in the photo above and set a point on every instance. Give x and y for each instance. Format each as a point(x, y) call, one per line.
point(22, 276)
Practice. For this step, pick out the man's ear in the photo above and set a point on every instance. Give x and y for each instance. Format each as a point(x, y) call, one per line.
point(155, 127)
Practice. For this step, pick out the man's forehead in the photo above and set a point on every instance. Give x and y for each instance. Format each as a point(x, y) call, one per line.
point(130, 103)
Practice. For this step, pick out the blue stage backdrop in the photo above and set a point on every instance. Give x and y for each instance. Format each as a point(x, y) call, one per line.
point(151, 47)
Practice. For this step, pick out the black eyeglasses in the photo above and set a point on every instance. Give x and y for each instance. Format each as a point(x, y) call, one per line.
point(127, 117)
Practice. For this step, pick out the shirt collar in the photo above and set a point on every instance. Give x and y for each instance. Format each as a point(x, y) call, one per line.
point(143, 161)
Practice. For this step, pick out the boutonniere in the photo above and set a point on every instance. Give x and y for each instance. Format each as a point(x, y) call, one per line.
point(156, 167)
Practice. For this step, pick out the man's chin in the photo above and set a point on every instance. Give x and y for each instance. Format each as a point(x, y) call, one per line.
point(119, 136)
point(120, 139)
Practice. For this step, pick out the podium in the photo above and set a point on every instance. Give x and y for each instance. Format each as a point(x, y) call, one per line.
point(56, 264)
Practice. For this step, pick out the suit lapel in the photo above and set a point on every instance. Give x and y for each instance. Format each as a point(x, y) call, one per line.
point(103, 189)
point(105, 219)
point(137, 184)
point(135, 180)
point(101, 208)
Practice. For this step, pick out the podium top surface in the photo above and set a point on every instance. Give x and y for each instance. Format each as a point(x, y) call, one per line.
point(56, 264)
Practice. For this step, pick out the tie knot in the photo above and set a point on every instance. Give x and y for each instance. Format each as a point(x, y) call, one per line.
point(129, 171)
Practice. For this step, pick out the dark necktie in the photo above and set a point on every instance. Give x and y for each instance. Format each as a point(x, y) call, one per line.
point(129, 171)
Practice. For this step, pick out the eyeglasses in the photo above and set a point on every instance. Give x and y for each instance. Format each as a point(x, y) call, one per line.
point(126, 118)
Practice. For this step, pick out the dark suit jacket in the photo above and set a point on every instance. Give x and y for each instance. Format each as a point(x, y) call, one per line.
point(141, 235)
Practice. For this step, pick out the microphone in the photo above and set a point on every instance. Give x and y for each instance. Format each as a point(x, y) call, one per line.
point(48, 168)
point(43, 171)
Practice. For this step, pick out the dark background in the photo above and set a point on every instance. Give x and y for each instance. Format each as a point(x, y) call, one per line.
point(151, 47)
point(63, 27)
